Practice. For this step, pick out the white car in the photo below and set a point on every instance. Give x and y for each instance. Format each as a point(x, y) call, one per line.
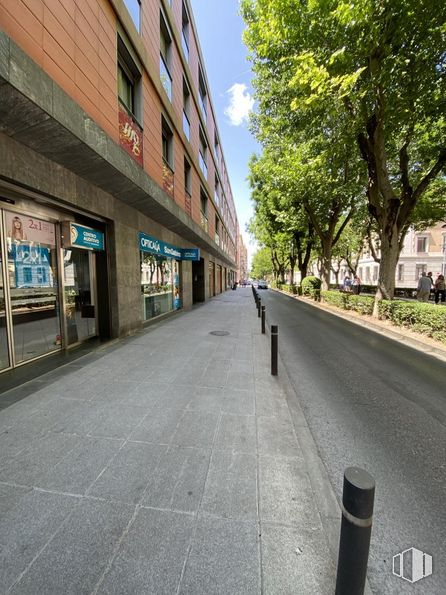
point(262, 285)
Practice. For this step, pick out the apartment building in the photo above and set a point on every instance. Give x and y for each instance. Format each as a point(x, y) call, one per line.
point(115, 201)
point(423, 251)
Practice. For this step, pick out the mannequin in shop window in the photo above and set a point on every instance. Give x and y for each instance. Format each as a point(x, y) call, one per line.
point(17, 231)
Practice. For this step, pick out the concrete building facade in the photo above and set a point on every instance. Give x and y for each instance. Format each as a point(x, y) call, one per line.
point(115, 201)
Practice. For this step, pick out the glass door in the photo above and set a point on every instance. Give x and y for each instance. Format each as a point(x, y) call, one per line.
point(79, 294)
point(4, 352)
point(33, 285)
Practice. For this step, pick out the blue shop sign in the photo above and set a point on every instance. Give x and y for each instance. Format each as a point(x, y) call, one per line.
point(153, 246)
point(83, 237)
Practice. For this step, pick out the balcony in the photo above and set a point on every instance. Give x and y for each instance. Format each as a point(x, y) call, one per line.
point(217, 239)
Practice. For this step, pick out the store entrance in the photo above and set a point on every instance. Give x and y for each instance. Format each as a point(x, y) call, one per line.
point(80, 294)
point(198, 289)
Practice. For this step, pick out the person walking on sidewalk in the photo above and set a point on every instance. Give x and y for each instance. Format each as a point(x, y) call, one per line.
point(424, 287)
point(440, 289)
point(356, 285)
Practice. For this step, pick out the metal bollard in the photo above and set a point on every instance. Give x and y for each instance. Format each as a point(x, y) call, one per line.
point(356, 526)
point(259, 305)
point(263, 320)
point(274, 348)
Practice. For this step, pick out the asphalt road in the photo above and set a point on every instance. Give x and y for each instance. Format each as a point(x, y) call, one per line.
point(380, 405)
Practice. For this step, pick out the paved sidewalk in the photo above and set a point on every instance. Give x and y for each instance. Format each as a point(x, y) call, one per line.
point(164, 463)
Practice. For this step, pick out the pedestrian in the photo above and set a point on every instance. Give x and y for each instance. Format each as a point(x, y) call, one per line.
point(356, 285)
point(440, 289)
point(347, 284)
point(424, 287)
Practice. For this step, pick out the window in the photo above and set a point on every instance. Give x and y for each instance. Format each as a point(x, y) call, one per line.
point(134, 8)
point(186, 110)
point(421, 244)
point(202, 155)
point(27, 275)
point(400, 272)
point(217, 192)
point(129, 81)
point(216, 150)
point(420, 268)
point(187, 177)
point(167, 141)
point(217, 230)
point(204, 210)
point(165, 57)
point(202, 94)
point(185, 32)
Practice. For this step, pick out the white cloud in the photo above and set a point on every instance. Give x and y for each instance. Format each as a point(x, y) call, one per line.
point(240, 104)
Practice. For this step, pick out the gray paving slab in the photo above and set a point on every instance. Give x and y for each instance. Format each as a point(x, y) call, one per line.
point(80, 467)
point(9, 496)
point(128, 473)
point(178, 481)
point(37, 459)
point(237, 433)
point(224, 559)
point(76, 557)
point(152, 555)
point(241, 402)
point(285, 493)
point(196, 428)
point(295, 560)
point(159, 426)
point(206, 399)
point(276, 436)
point(231, 486)
point(26, 528)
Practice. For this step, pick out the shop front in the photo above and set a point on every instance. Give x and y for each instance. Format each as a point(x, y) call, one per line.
point(161, 275)
point(47, 283)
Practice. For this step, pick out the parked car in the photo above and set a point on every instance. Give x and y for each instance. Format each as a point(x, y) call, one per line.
point(262, 285)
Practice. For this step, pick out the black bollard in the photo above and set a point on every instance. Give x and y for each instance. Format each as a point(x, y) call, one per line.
point(263, 320)
point(259, 305)
point(274, 348)
point(356, 527)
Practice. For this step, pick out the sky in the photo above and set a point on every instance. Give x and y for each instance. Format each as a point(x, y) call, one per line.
point(220, 30)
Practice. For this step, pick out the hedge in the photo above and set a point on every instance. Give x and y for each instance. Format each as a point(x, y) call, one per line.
point(349, 301)
point(311, 286)
point(294, 289)
point(427, 319)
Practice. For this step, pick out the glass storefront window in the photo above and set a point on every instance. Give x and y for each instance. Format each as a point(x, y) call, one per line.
point(79, 284)
point(32, 268)
point(4, 356)
point(159, 285)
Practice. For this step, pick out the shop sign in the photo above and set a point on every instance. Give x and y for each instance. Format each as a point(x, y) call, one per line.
point(79, 236)
point(130, 136)
point(153, 246)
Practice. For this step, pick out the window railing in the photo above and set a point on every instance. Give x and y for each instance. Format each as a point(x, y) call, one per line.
point(166, 80)
point(217, 239)
point(186, 126)
point(204, 221)
point(185, 46)
point(203, 165)
point(202, 102)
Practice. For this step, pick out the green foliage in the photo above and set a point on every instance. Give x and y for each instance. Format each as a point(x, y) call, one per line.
point(311, 286)
point(294, 289)
point(362, 304)
point(261, 264)
point(428, 319)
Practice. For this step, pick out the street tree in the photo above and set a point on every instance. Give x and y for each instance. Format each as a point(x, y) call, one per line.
point(375, 68)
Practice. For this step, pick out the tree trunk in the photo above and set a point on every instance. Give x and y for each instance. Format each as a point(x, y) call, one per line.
point(326, 262)
point(390, 251)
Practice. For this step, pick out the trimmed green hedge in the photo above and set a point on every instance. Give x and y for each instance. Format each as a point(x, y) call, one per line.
point(294, 289)
point(427, 319)
point(349, 301)
point(311, 286)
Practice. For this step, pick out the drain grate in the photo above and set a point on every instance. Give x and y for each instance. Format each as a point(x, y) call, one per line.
point(219, 333)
